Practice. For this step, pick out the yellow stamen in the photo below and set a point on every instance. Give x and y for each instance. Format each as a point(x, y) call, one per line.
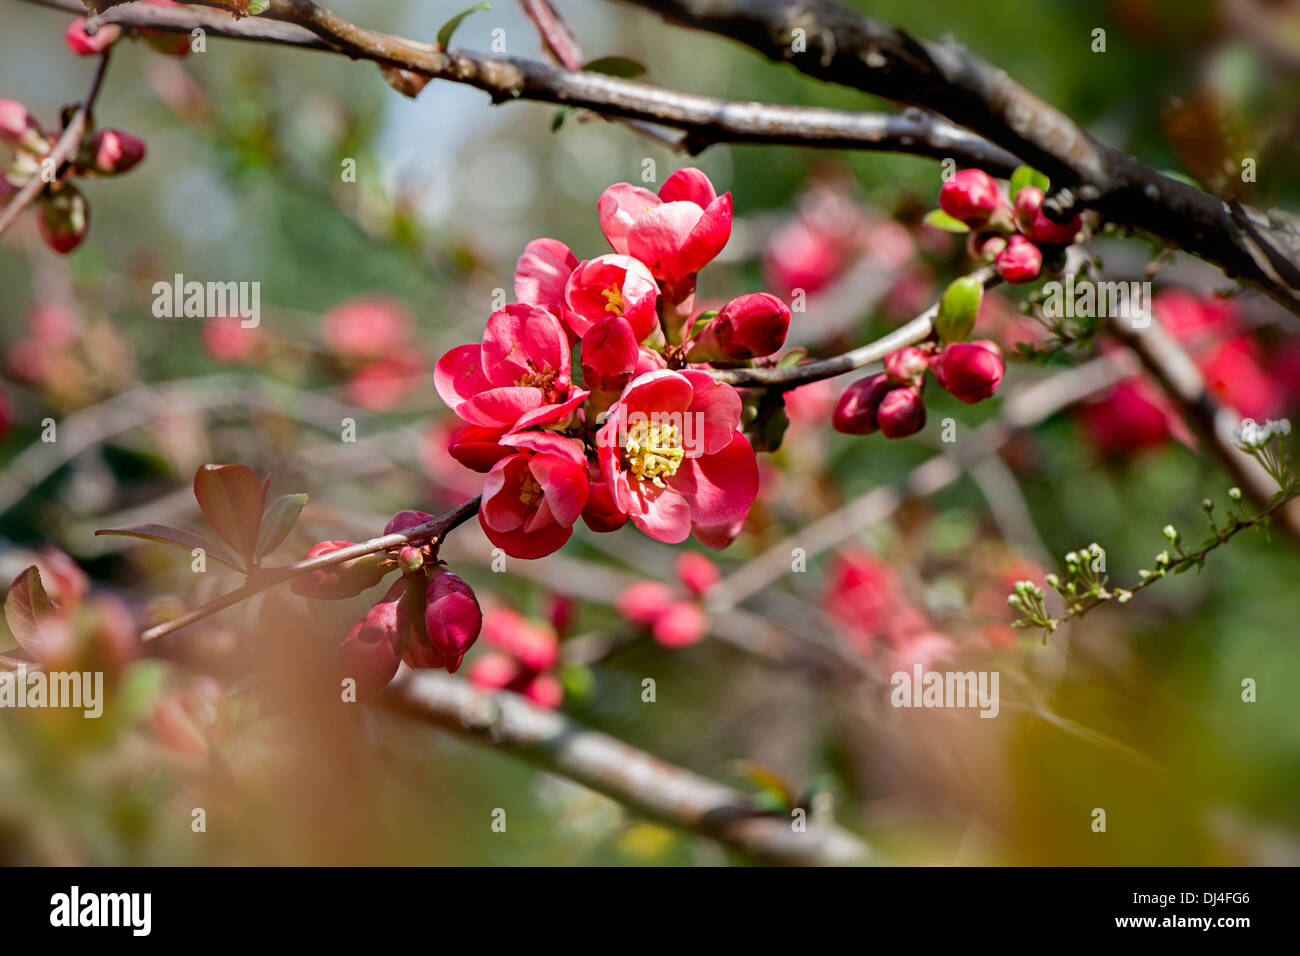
point(530, 492)
point(613, 300)
point(653, 451)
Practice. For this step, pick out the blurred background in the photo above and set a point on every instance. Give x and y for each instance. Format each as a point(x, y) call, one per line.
point(1137, 710)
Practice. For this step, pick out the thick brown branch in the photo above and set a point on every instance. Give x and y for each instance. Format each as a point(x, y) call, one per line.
point(642, 782)
point(844, 47)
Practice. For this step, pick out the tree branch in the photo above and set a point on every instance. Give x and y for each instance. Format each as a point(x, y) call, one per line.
point(705, 120)
point(63, 150)
point(646, 784)
point(844, 47)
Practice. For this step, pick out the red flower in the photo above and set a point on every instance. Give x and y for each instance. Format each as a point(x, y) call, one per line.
point(84, 44)
point(901, 412)
point(368, 327)
point(113, 151)
point(535, 647)
point(1021, 261)
point(532, 498)
point(371, 652)
point(672, 455)
point(676, 233)
point(609, 355)
point(478, 448)
point(611, 285)
point(855, 412)
point(452, 619)
point(521, 366)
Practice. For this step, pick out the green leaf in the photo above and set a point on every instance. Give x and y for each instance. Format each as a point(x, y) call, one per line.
point(232, 499)
point(26, 606)
point(278, 521)
point(958, 308)
point(560, 116)
point(258, 6)
point(615, 66)
point(792, 358)
point(452, 25)
point(939, 219)
point(179, 537)
point(1026, 176)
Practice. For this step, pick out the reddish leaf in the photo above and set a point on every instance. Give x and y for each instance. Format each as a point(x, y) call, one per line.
point(27, 609)
point(179, 537)
point(232, 500)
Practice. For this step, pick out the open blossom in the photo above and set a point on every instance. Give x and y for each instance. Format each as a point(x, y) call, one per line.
point(532, 498)
point(676, 233)
point(541, 274)
point(672, 455)
point(611, 285)
point(521, 366)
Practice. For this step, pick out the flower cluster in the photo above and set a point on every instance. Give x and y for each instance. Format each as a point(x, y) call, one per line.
point(674, 618)
point(523, 658)
point(429, 618)
point(64, 214)
point(890, 402)
point(1015, 235)
point(632, 426)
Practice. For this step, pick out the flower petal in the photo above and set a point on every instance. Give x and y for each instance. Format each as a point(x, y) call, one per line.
point(719, 488)
point(619, 207)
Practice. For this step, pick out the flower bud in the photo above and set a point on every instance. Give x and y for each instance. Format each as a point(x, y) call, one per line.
point(643, 602)
point(749, 326)
point(452, 618)
point(970, 371)
point(372, 650)
point(544, 691)
point(985, 246)
point(697, 572)
point(906, 366)
point(609, 355)
point(410, 559)
point(338, 581)
point(477, 447)
point(111, 151)
point(1051, 233)
point(19, 128)
point(680, 624)
point(855, 412)
point(601, 513)
point(1027, 202)
point(406, 520)
point(970, 196)
point(63, 219)
point(86, 44)
point(1021, 261)
point(901, 413)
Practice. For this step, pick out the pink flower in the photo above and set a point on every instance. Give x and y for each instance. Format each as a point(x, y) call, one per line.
point(799, 256)
point(532, 498)
point(749, 326)
point(536, 648)
point(1021, 261)
point(682, 623)
point(227, 340)
point(719, 536)
point(601, 513)
point(906, 366)
point(84, 44)
point(901, 412)
point(1052, 233)
point(671, 452)
point(19, 128)
point(609, 355)
point(611, 285)
point(1028, 200)
point(367, 327)
point(676, 233)
point(643, 602)
point(521, 366)
point(970, 371)
point(970, 196)
point(541, 274)
point(381, 384)
point(697, 572)
point(1134, 415)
